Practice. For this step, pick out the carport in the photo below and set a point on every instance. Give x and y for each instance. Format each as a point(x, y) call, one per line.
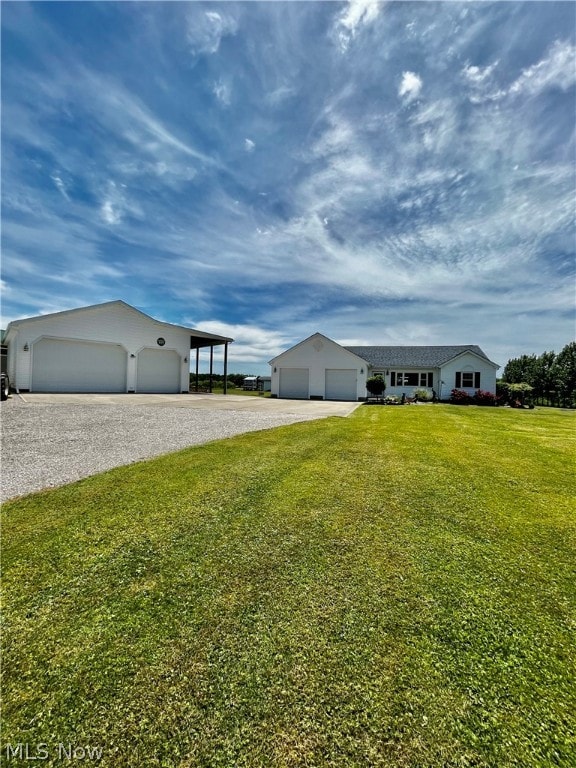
point(200, 341)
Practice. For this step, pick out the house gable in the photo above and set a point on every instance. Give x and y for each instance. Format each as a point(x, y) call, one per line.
point(314, 346)
point(318, 368)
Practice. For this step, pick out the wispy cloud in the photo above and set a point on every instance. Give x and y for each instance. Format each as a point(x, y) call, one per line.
point(205, 30)
point(60, 186)
point(355, 15)
point(555, 71)
point(410, 86)
point(223, 92)
point(379, 172)
point(252, 343)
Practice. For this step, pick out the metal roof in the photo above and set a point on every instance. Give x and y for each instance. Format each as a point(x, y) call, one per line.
point(197, 338)
point(414, 357)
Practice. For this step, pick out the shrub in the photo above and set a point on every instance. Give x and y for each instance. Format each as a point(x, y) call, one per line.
point(459, 397)
point(483, 397)
point(392, 400)
point(518, 393)
point(375, 385)
point(423, 395)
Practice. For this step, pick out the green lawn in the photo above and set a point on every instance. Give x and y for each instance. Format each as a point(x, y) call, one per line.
point(392, 589)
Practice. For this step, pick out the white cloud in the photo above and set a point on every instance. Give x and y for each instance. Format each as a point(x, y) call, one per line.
point(281, 94)
point(252, 343)
point(206, 30)
point(249, 145)
point(60, 186)
point(115, 205)
point(223, 92)
point(356, 14)
point(478, 75)
point(410, 86)
point(558, 70)
point(110, 214)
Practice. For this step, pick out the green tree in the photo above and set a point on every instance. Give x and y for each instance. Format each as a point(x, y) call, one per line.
point(565, 373)
point(375, 385)
point(520, 369)
point(544, 375)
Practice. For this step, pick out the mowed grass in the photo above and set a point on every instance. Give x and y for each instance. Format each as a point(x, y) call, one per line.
point(392, 589)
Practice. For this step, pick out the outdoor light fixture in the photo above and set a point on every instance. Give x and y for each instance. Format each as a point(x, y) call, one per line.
point(275, 369)
point(26, 347)
point(132, 355)
point(361, 370)
point(185, 359)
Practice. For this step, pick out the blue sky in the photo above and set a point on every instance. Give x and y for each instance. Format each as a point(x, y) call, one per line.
point(381, 172)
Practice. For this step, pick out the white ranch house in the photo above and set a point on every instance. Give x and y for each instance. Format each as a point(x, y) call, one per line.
point(318, 368)
point(110, 347)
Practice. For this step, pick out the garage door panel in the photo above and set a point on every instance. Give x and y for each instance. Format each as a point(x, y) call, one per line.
point(294, 383)
point(158, 370)
point(64, 365)
point(341, 384)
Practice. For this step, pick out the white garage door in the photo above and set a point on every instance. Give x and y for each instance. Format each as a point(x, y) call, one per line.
point(294, 383)
point(158, 371)
point(62, 365)
point(341, 384)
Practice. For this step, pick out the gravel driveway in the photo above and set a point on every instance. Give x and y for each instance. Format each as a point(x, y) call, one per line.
point(50, 444)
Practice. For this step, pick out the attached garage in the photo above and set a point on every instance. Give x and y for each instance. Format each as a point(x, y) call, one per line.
point(319, 369)
point(341, 384)
point(158, 370)
point(64, 365)
point(294, 383)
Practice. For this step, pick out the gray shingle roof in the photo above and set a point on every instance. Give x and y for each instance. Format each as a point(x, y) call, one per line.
point(413, 357)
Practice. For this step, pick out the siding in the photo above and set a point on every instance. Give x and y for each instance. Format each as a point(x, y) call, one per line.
point(468, 362)
point(114, 323)
point(317, 354)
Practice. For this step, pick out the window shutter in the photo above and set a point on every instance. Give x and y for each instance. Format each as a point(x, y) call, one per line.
point(477, 380)
point(430, 379)
point(393, 379)
point(458, 379)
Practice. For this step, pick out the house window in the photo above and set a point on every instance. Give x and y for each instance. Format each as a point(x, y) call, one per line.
point(411, 379)
point(468, 379)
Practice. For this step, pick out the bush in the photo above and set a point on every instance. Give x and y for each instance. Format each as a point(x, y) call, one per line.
point(483, 397)
point(459, 397)
point(375, 385)
point(423, 395)
point(392, 400)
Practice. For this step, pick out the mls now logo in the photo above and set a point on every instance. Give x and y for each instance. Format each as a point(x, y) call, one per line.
point(25, 751)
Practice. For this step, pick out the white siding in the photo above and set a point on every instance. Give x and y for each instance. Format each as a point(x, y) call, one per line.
point(405, 389)
point(468, 362)
point(115, 323)
point(317, 354)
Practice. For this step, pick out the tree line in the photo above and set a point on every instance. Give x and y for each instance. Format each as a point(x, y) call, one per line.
point(234, 379)
point(549, 376)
